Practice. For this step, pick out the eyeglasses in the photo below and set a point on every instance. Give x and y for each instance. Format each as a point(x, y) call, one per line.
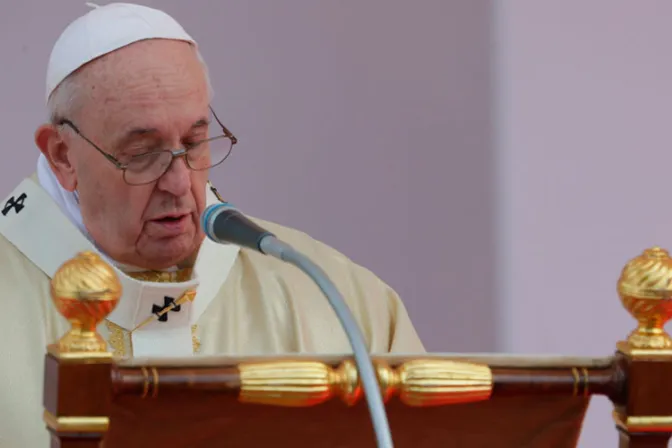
point(148, 166)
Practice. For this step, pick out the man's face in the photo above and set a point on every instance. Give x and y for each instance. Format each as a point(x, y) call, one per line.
point(147, 96)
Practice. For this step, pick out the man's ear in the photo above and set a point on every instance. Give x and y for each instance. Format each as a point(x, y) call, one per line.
point(57, 152)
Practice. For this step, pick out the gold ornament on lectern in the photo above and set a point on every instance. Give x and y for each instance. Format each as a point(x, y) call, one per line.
point(85, 290)
point(645, 288)
point(420, 382)
point(436, 382)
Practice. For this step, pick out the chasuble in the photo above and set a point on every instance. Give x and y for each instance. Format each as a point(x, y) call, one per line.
point(240, 303)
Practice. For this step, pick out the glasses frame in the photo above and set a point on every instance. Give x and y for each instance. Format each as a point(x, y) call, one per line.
point(175, 153)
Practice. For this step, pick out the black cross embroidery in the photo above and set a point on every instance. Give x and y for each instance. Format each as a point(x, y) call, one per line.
point(14, 203)
point(167, 302)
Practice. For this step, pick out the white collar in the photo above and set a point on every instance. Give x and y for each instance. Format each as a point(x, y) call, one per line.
point(66, 200)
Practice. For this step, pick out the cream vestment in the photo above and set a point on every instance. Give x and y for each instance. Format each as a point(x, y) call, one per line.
point(245, 304)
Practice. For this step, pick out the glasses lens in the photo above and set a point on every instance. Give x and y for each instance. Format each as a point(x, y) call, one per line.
point(146, 168)
point(210, 153)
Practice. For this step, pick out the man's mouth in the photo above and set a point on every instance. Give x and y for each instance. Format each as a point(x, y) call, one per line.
point(173, 217)
point(170, 225)
point(170, 218)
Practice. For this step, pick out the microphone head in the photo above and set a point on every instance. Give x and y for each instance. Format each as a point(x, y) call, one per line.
point(224, 224)
point(208, 215)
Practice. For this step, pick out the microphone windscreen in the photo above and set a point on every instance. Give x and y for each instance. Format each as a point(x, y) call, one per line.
point(223, 223)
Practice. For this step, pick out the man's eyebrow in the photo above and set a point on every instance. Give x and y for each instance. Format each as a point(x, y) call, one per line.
point(136, 133)
point(148, 132)
point(202, 123)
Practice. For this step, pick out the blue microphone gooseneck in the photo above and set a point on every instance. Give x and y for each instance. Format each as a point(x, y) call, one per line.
point(224, 224)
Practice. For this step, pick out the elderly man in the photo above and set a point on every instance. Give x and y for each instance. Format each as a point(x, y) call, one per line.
point(123, 171)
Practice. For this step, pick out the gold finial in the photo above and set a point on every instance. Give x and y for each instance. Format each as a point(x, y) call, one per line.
point(645, 288)
point(85, 290)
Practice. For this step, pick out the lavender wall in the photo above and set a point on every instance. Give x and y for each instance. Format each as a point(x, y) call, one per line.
point(583, 160)
point(365, 124)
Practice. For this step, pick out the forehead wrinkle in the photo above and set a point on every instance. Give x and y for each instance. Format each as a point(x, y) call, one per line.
point(149, 83)
point(160, 64)
point(142, 76)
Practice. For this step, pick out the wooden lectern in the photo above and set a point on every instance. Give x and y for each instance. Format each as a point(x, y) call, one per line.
point(94, 400)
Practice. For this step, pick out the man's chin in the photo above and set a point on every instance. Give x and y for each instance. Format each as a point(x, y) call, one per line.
point(170, 252)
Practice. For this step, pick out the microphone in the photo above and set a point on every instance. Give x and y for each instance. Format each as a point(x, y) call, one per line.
point(224, 224)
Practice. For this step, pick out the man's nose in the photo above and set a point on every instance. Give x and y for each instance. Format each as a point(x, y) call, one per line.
point(177, 179)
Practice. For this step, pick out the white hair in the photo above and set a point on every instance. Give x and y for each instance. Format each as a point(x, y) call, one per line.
point(67, 96)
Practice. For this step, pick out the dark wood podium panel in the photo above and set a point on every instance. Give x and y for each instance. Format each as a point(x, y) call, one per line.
point(206, 421)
